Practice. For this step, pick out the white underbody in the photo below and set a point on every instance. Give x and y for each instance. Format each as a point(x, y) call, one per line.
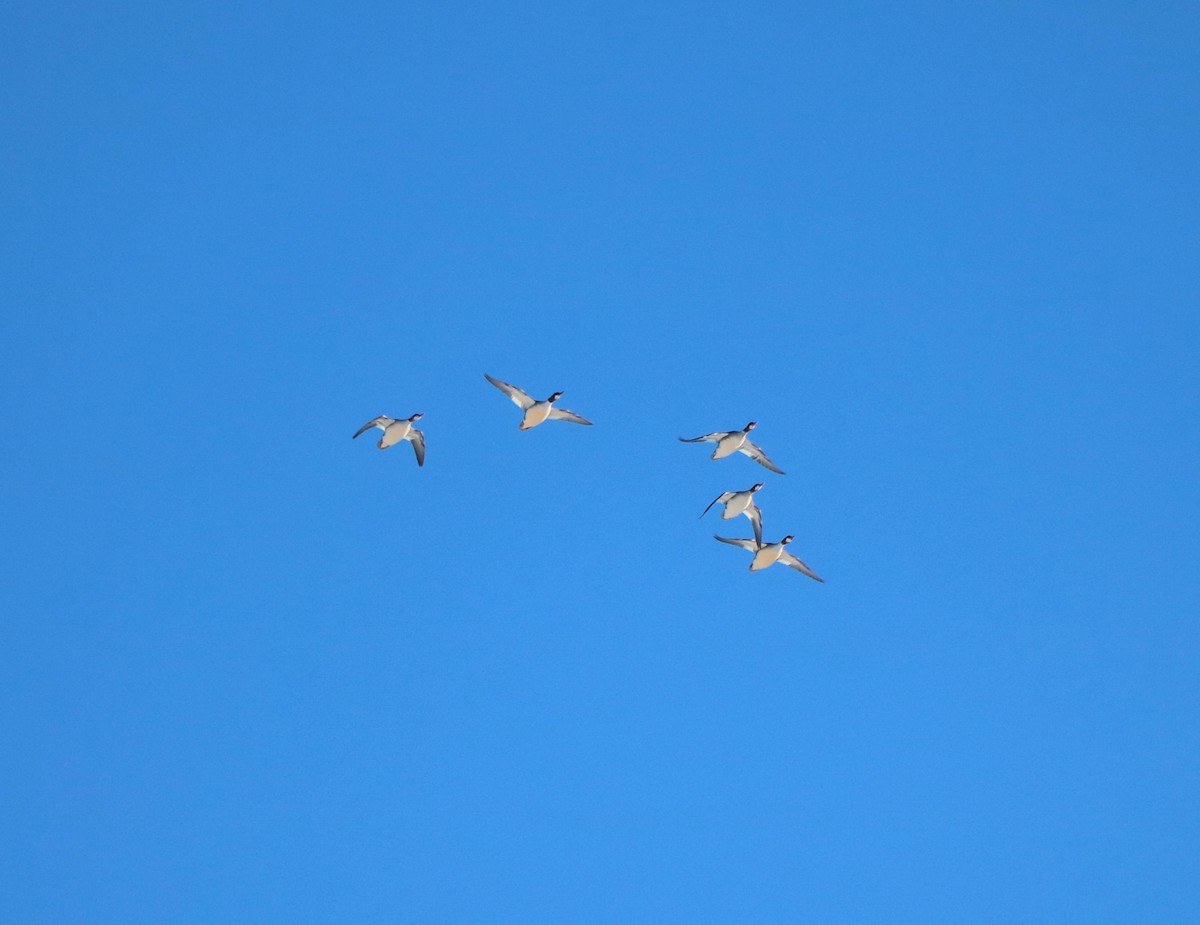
point(738, 504)
point(766, 555)
point(729, 444)
point(394, 433)
point(535, 414)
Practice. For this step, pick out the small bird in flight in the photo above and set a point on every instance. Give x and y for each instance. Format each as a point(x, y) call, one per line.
point(735, 441)
point(740, 502)
point(536, 411)
point(394, 431)
point(767, 554)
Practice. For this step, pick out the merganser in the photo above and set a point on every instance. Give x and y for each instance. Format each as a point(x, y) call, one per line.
point(767, 554)
point(536, 411)
point(735, 441)
point(396, 430)
point(740, 502)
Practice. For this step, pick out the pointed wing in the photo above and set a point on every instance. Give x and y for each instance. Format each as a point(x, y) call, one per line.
point(745, 544)
point(723, 498)
point(756, 453)
point(706, 438)
point(562, 414)
point(374, 422)
point(418, 441)
point(792, 562)
point(755, 516)
point(519, 398)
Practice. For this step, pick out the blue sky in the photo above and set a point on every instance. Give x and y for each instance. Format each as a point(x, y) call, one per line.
point(255, 671)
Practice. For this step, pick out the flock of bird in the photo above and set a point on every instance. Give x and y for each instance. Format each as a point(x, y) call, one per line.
point(735, 503)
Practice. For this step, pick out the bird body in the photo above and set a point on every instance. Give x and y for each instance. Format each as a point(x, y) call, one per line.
point(730, 444)
point(535, 414)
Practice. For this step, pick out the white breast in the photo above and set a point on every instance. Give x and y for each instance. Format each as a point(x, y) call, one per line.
point(535, 415)
point(396, 431)
point(729, 445)
point(768, 555)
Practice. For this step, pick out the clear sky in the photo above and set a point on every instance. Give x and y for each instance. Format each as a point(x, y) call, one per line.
point(253, 671)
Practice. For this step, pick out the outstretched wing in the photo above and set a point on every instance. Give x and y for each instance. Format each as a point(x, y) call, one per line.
point(755, 517)
point(417, 438)
point(374, 422)
point(758, 456)
point(745, 544)
point(792, 562)
point(519, 398)
point(707, 438)
point(723, 498)
point(562, 414)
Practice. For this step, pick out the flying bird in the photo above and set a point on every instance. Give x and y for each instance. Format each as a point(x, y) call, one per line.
point(735, 441)
point(536, 411)
point(740, 502)
point(767, 554)
point(394, 431)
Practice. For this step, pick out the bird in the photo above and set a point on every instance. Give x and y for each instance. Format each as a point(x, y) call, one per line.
point(396, 430)
point(740, 502)
point(735, 441)
point(536, 411)
point(767, 554)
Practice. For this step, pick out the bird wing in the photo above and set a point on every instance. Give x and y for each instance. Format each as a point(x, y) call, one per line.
point(562, 414)
point(755, 516)
point(521, 399)
point(417, 438)
point(756, 453)
point(706, 438)
point(792, 562)
point(374, 422)
point(723, 498)
point(745, 544)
